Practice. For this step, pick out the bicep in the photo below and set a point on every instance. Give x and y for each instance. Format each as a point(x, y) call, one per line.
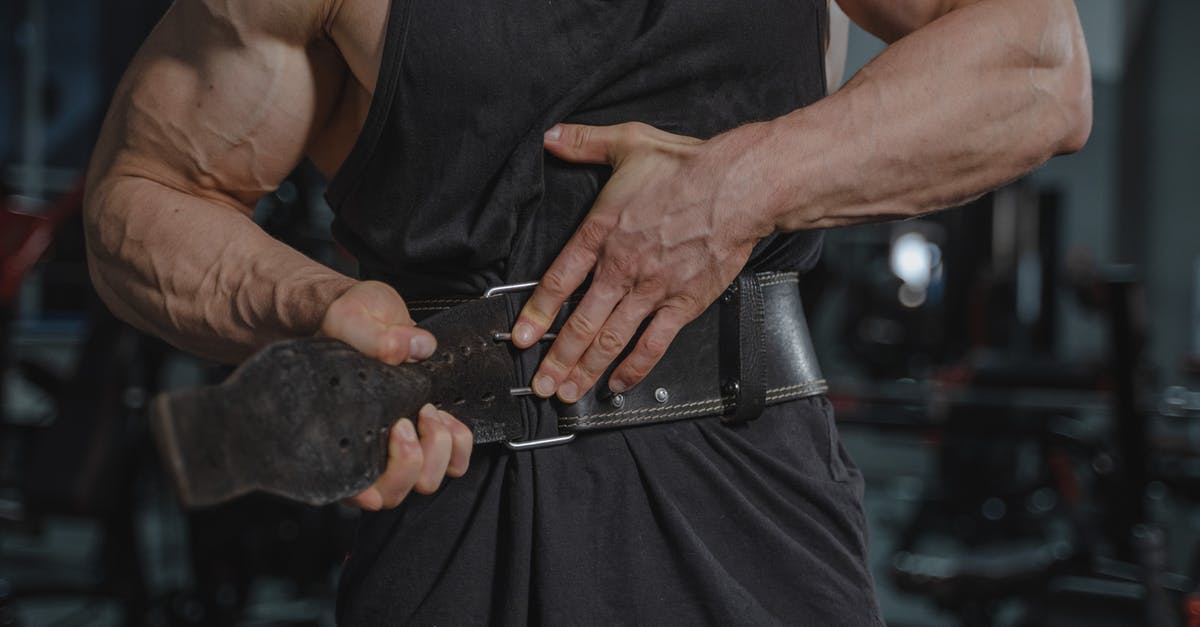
point(890, 20)
point(221, 100)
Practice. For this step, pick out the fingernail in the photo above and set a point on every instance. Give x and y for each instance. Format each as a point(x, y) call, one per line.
point(523, 334)
point(554, 132)
point(544, 386)
point(568, 392)
point(406, 431)
point(421, 346)
point(617, 385)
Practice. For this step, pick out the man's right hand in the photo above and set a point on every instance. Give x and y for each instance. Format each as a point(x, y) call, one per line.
point(372, 318)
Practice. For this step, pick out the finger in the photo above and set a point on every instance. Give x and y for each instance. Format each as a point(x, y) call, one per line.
point(581, 143)
point(576, 335)
point(351, 321)
point(435, 446)
point(462, 443)
point(403, 468)
point(609, 343)
point(650, 347)
point(566, 274)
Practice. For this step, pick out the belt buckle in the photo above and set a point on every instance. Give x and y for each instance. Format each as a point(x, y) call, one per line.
point(525, 445)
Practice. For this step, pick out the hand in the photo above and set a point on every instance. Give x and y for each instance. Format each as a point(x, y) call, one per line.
point(372, 318)
point(668, 233)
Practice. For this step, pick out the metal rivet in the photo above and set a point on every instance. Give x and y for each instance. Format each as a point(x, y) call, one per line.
point(618, 400)
point(731, 387)
point(661, 395)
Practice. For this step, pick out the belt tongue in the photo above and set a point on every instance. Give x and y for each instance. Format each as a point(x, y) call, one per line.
point(308, 419)
point(304, 419)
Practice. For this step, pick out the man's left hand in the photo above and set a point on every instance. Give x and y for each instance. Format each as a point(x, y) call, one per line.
point(670, 230)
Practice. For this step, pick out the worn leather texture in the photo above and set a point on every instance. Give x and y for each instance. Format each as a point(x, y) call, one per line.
point(308, 419)
point(774, 353)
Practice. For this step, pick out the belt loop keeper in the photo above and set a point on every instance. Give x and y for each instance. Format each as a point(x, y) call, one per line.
point(742, 349)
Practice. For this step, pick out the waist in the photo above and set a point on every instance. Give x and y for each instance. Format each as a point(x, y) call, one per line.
point(749, 349)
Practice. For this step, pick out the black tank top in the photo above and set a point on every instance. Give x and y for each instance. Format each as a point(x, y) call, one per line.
point(449, 191)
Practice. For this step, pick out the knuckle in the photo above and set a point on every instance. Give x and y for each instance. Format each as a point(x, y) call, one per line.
point(622, 264)
point(463, 438)
point(650, 287)
point(585, 375)
point(392, 499)
point(686, 305)
point(392, 346)
point(592, 234)
point(579, 325)
point(409, 465)
point(637, 369)
point(609, 342)
point(555, 282)
point(364, 501)
point(552, 366)
point(580, 136)
point(654, 345)
point(632, 132)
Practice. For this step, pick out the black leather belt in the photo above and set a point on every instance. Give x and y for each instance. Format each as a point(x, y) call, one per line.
point(308, 419)
point(748, 350)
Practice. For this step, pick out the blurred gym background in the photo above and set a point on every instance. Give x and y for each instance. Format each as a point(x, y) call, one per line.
point(1019, 380)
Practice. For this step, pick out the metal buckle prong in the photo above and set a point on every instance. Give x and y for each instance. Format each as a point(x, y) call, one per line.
point(540, 443)
point(507, 337)
point(511, 287)
point(525, 445)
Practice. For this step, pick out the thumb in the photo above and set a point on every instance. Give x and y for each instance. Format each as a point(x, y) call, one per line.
point(581, 143)
point(372, 318)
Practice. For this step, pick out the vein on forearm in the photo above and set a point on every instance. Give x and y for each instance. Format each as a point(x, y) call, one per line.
point(203, 277)
point(973, 100)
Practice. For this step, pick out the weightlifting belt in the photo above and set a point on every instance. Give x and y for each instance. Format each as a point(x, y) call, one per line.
point(308, 419)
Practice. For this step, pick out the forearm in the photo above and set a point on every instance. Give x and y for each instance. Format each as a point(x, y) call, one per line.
point(971, 101)
point(198, 273)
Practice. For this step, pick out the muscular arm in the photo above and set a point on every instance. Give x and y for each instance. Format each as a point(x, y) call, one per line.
point(222, 101)
point(215, 110)
point(971, 94)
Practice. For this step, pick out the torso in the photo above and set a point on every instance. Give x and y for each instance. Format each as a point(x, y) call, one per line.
point(352, 53)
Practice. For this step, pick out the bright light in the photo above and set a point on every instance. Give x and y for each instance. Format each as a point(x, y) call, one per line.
point(912, 260)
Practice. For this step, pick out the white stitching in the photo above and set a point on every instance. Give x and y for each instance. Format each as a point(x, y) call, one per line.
point(688, 412)
point(641, 410)
point(772, 394)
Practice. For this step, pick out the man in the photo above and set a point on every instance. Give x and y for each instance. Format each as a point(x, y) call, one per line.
point(447, 191)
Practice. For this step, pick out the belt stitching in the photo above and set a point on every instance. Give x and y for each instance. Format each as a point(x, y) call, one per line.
point(687, 412)
point(773, 394)
point(694, 407)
